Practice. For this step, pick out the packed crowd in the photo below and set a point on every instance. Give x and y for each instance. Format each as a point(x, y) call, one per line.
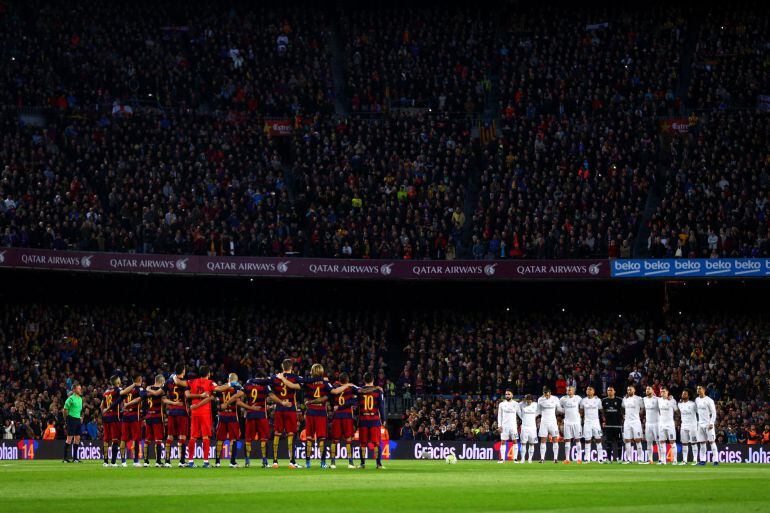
point(482, 354)
point(717, 201)
point(45, 349)
point(154, 135)
point(402, 57)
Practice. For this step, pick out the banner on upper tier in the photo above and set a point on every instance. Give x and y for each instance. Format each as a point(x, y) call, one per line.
point(305, 267)
point(393, 450)
point(279, 127)
point(691, 267)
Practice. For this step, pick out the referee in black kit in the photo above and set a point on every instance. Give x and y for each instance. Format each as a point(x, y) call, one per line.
point(613, 424)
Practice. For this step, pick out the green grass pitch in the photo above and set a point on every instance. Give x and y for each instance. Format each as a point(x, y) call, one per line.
point(405, 486)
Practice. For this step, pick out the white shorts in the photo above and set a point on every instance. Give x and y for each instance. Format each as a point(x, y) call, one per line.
point(548, 429)
point(632, 430)
point(688, 434)
point(667, 433)
point(592, 430)
point(705, 434)
point(528, 436)
point(651, 432)
point(572, 431)
point(509, 433)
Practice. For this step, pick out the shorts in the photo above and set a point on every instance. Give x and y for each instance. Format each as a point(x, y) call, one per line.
point(257, 429)
point(667, 433)
point(343, 429)
point(572, 431)
point(178, 426)
point(705, 434)
point(228, 430)
point(509, 433)
point(528, 435)
point(285, 422)
point(111, 431)
point(548, 429)
point(200, 427)
point(369, 435)
point(613, 434)
point(651, 432)
point(688, 434)
point(130, 430)
point(154, 431)
point(315, 426)
point(632, 430)
point(593, 430)
point(73, 426)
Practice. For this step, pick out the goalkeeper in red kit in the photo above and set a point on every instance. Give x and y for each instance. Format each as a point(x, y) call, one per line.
point(200, 394)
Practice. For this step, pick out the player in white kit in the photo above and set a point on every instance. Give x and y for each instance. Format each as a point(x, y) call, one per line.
point(707, 418)
point(592, 426)
point(666, 427)
point(507, 423)
point(570, 403)
point(528, 412)
point(549, 406)
point(651, 415)
point(632, 425)
point(688, 429)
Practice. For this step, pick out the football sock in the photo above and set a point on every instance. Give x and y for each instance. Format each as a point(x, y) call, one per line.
point(106, 452)
point(158, 450)
point(290, 443)
point(206, 449)
point(685, 452)
point(123, 452)
point(67, 451)
point(247, 450)
point(599, 455)
point(649, 451)
point(182, 452)
point(191, 449)
point(542, 450)
point(567, 449)
point(515, 450)
point(628, 451)
point(75, 451)
point(378, 454)
point(703, 455)
point(322, 450)
point(168, 451)
point(233, 451)
point(276, 440)
point(308, 450)
point(363, 454)
point(350, 452)
point(503, 450)
point(115, 451)
point(263, 447)
point(714, 452)
point(218, 454)
point(555, 447)
point(531, 451)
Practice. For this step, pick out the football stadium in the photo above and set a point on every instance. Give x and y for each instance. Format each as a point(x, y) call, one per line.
point(396, 256)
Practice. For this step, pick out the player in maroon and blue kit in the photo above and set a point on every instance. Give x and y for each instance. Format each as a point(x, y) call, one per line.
point(177, 419)
point(131, 425)
point(371, 411)
point(317, 391)
point(228, 427)
point(285, 386)
point(110, 408)
point(256, 393)
point(153, 420)
point(343, 427)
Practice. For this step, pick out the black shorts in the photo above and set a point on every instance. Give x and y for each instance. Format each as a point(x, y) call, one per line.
point(73, 426)
point(613, 434)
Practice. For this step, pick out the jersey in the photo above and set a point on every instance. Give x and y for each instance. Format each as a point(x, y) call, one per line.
point(548, 408)
point(651, 412)
point(154, 405)
point(285, 393)
point(345, 402)
point(228, 413)
point(257, 391)
point(707, 411)
point(633, 406)
point(571, 407)
point(175, 393)
point(133, 412)
point(528, 414)
point(666, 407)
point(591, 407)
point(112, 400)
point(506, 413)
point(613, 416)
point(371, 407)
point(199, 386)
point(688, 414)
point(316, 388)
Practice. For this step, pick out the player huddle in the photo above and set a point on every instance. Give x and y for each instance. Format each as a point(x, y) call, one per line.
point(592, 419)
point(180, 409)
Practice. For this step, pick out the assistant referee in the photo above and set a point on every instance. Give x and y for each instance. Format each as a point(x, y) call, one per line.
point(73, 415)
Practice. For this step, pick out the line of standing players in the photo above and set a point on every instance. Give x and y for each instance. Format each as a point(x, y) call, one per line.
point(180, 409)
